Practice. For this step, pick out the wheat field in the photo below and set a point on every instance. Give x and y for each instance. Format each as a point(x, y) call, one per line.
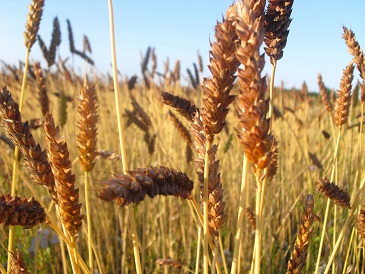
point(234, 173)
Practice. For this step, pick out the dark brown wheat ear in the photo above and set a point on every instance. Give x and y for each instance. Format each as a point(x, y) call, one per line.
point(183, 106)
point(55, 42)
point(277, 22)
point(20, 211)
point(333, 192)
point(150, 181)
point(43, 94)
point(67, 195)
point(35, 158)
point(32, 25)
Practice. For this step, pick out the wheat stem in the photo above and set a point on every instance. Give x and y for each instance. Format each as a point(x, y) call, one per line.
point(69, 244)
point(88, 218)
point(258, 229)
point(205, 207)
point(271, 101)
point(344, 227)
point(16, 157)
point(328, 204)
point(197, 262)
point(240, 216)
point(201, 219)
point(121, 137)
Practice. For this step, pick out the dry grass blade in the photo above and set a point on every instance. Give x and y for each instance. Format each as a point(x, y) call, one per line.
point(87, 137)
point(32, 25)
point(18, 265)
point(43, 95)
point(324, 94)
point(333, 192)
point(223, 65)
point(299, 253)
point(20, 135)
point(182, 105)
point(20, 211)
point(67, 195)
point(277, 22)
point(150, 181)
point(343, 101)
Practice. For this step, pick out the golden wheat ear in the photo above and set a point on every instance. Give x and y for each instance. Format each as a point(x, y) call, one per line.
point(299, 253)
point(150, 181)
point(361, 222)
point(67, 195)
point(343, 102)
point(223, 65)
point(20, 211)
point(18, 265)
point(87, 137)
point(324, 94)
point(32, 25)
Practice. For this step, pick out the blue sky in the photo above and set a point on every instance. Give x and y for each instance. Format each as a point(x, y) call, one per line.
point(178, 29)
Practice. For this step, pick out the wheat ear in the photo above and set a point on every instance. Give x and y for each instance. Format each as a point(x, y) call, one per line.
point(299, 253)
point(252, 107)
point(55, 42)
point(87, 139)
point(18, 265)
point(69, 207)
point(20, 211)
point(43, 95)
point(341, 112)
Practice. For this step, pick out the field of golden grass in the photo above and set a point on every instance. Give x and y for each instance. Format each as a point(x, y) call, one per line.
point(229, 174)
